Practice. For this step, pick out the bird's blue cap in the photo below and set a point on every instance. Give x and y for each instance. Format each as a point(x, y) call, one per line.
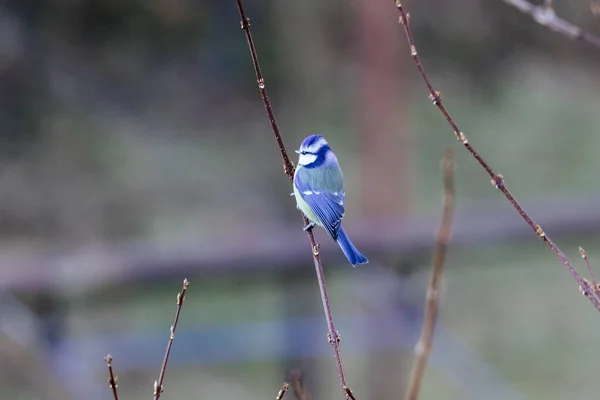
point(311, 141)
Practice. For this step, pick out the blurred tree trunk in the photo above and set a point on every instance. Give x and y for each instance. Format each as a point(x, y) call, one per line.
point(385, 144)
point(385, 148)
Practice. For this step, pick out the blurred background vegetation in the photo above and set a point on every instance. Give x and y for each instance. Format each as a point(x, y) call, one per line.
point(134, 152)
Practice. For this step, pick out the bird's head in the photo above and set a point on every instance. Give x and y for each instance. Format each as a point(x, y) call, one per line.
point(314, 152)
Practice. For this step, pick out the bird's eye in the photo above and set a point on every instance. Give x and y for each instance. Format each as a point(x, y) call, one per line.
point(303, 153)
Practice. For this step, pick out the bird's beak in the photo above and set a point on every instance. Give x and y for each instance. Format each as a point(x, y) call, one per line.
point(297, 151)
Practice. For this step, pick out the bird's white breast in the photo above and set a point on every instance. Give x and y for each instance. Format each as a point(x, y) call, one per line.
point(305, 208)
point(306, 159)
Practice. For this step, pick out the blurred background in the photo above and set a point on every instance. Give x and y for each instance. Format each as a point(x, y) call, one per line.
point(134, 153)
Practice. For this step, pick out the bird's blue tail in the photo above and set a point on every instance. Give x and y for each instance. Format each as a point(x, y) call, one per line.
point(349, 250)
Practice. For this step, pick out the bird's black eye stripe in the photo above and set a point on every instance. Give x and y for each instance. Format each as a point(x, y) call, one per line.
point(304, 152)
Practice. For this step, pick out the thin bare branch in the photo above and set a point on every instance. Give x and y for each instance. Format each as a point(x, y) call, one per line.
point(112, 379)
point(297, 383)
point(158, 385)
point(333, 335)
point(588, 265)
point(595, 286)
point(288, 167)
point(423, 347)
point(497, 179)
point(545, 15)
point(349, 393)
point(283, 391)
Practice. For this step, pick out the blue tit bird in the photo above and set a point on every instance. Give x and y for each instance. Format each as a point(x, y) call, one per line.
point(319, 192)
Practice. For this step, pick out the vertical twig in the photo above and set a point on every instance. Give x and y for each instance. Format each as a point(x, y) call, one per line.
point(112, 379)
point(158, 385)
point(288, 167)
point(332, 335)
point(423, 347)
point(497, 179)
point(283, 391)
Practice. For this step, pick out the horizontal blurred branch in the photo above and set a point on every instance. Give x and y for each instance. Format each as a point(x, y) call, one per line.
point(497, 179)
point(279, 247)
point(545, 15)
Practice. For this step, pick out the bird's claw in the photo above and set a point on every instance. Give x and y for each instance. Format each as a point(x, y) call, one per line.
point(309, 226)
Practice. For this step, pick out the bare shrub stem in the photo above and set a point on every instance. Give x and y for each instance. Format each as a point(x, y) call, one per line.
point(158, 385)
point(333, 335)
point(423, 347)
point(545, 15)
point(497, 179)
point(283, 391)
point(297, 382)
point(586, 260)
point(112, 379)
point(594, 284)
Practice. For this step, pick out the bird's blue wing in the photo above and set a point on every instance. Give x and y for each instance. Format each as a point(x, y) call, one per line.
point(327, 205)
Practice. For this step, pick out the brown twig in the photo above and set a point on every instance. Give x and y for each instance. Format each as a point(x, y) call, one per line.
point(112, 379)
point(332, 335)
point(587, 264)
point(593, 283)
point(545, 15)
point(283, 391)
point(497, 179)
point(297, 382)
point(423, 347)
point(158, 385)
point(349, 393)
point(288, 167)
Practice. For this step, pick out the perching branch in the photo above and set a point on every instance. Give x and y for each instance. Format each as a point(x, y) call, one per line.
point(545, 15)
point(112, 379)
point(349, 393)
point(423, 347)
point(497, 179)
point(158, 385)
point(332, 335)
